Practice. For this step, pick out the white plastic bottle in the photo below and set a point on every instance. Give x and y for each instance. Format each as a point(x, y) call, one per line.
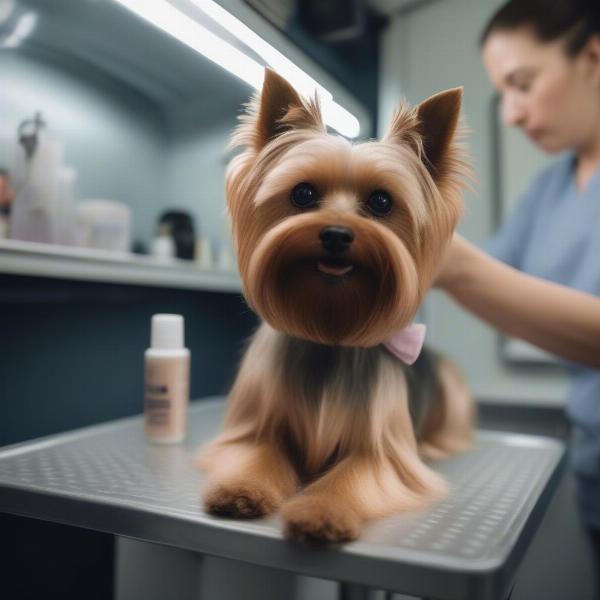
point(166, 385)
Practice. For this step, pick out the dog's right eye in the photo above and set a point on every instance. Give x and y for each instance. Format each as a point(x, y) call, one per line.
point(304, 195)
point(379, 203)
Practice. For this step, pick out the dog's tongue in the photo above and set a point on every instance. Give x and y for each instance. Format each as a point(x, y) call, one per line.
point(331, 269)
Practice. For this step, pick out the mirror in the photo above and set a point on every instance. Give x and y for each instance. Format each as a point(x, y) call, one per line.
point(106, 124)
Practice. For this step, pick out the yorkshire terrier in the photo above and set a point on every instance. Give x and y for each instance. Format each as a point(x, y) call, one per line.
point(337, 245)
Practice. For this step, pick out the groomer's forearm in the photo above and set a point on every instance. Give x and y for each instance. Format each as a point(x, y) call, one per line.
point(558, 319)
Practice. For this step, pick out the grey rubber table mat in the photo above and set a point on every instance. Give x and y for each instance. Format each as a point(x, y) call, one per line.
point(110, 479)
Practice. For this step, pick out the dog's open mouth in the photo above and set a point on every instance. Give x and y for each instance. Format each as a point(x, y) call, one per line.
point(336, 268)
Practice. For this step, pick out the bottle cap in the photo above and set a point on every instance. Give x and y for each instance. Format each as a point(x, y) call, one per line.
point(167, 332)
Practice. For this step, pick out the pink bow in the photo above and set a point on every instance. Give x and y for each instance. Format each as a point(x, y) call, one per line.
point(407, 343)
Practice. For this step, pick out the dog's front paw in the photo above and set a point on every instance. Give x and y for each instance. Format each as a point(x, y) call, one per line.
point(240, 500)
point(314, 519)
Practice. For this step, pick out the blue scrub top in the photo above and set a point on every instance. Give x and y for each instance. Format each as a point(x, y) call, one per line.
point(554, 233)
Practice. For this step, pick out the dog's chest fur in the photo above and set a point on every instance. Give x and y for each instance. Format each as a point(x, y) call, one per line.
point(340, 397)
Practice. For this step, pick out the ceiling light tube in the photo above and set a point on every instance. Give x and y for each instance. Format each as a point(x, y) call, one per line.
point(165, 16)
point(25, 25)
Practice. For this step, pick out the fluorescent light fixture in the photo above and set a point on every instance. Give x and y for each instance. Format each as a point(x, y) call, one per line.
point(165, 16)
point(286, 68)
point(335, 115)
point(25, 25)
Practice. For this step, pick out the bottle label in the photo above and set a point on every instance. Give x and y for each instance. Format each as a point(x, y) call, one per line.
point(166, 396)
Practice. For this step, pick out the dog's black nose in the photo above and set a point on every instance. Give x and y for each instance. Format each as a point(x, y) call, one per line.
point(335, 238)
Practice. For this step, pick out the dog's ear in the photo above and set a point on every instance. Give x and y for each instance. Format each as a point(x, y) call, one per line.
point(280, 108)
point(431, 128)
point(438, 120)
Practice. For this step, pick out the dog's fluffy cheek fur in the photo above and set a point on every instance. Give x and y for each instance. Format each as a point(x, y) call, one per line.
point(379, 295)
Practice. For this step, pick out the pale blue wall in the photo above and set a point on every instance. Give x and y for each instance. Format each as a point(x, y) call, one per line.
point(196, 164)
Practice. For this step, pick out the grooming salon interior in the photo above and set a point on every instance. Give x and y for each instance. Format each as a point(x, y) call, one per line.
point(300, 299)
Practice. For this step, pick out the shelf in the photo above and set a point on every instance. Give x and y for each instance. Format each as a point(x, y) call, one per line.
point(83, 264)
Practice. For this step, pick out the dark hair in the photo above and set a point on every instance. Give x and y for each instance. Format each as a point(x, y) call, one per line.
point(550, 20)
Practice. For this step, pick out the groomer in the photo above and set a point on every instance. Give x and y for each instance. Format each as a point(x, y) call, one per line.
point(543, 58)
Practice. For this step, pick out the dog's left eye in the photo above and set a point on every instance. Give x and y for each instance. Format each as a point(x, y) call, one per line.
point(379, 203)
point(304, 195)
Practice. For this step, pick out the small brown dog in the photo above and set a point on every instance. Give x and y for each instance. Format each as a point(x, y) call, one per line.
point(337, 245)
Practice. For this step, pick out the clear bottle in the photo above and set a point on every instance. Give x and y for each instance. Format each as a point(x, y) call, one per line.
point(166, 381)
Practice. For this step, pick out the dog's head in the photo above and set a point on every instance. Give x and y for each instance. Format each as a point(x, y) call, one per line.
point(337, 243)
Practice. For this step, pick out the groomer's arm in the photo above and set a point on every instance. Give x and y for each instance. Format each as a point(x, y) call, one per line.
point(558, 319)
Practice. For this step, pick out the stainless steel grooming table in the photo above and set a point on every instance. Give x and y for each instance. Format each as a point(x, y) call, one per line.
point(108, 478)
